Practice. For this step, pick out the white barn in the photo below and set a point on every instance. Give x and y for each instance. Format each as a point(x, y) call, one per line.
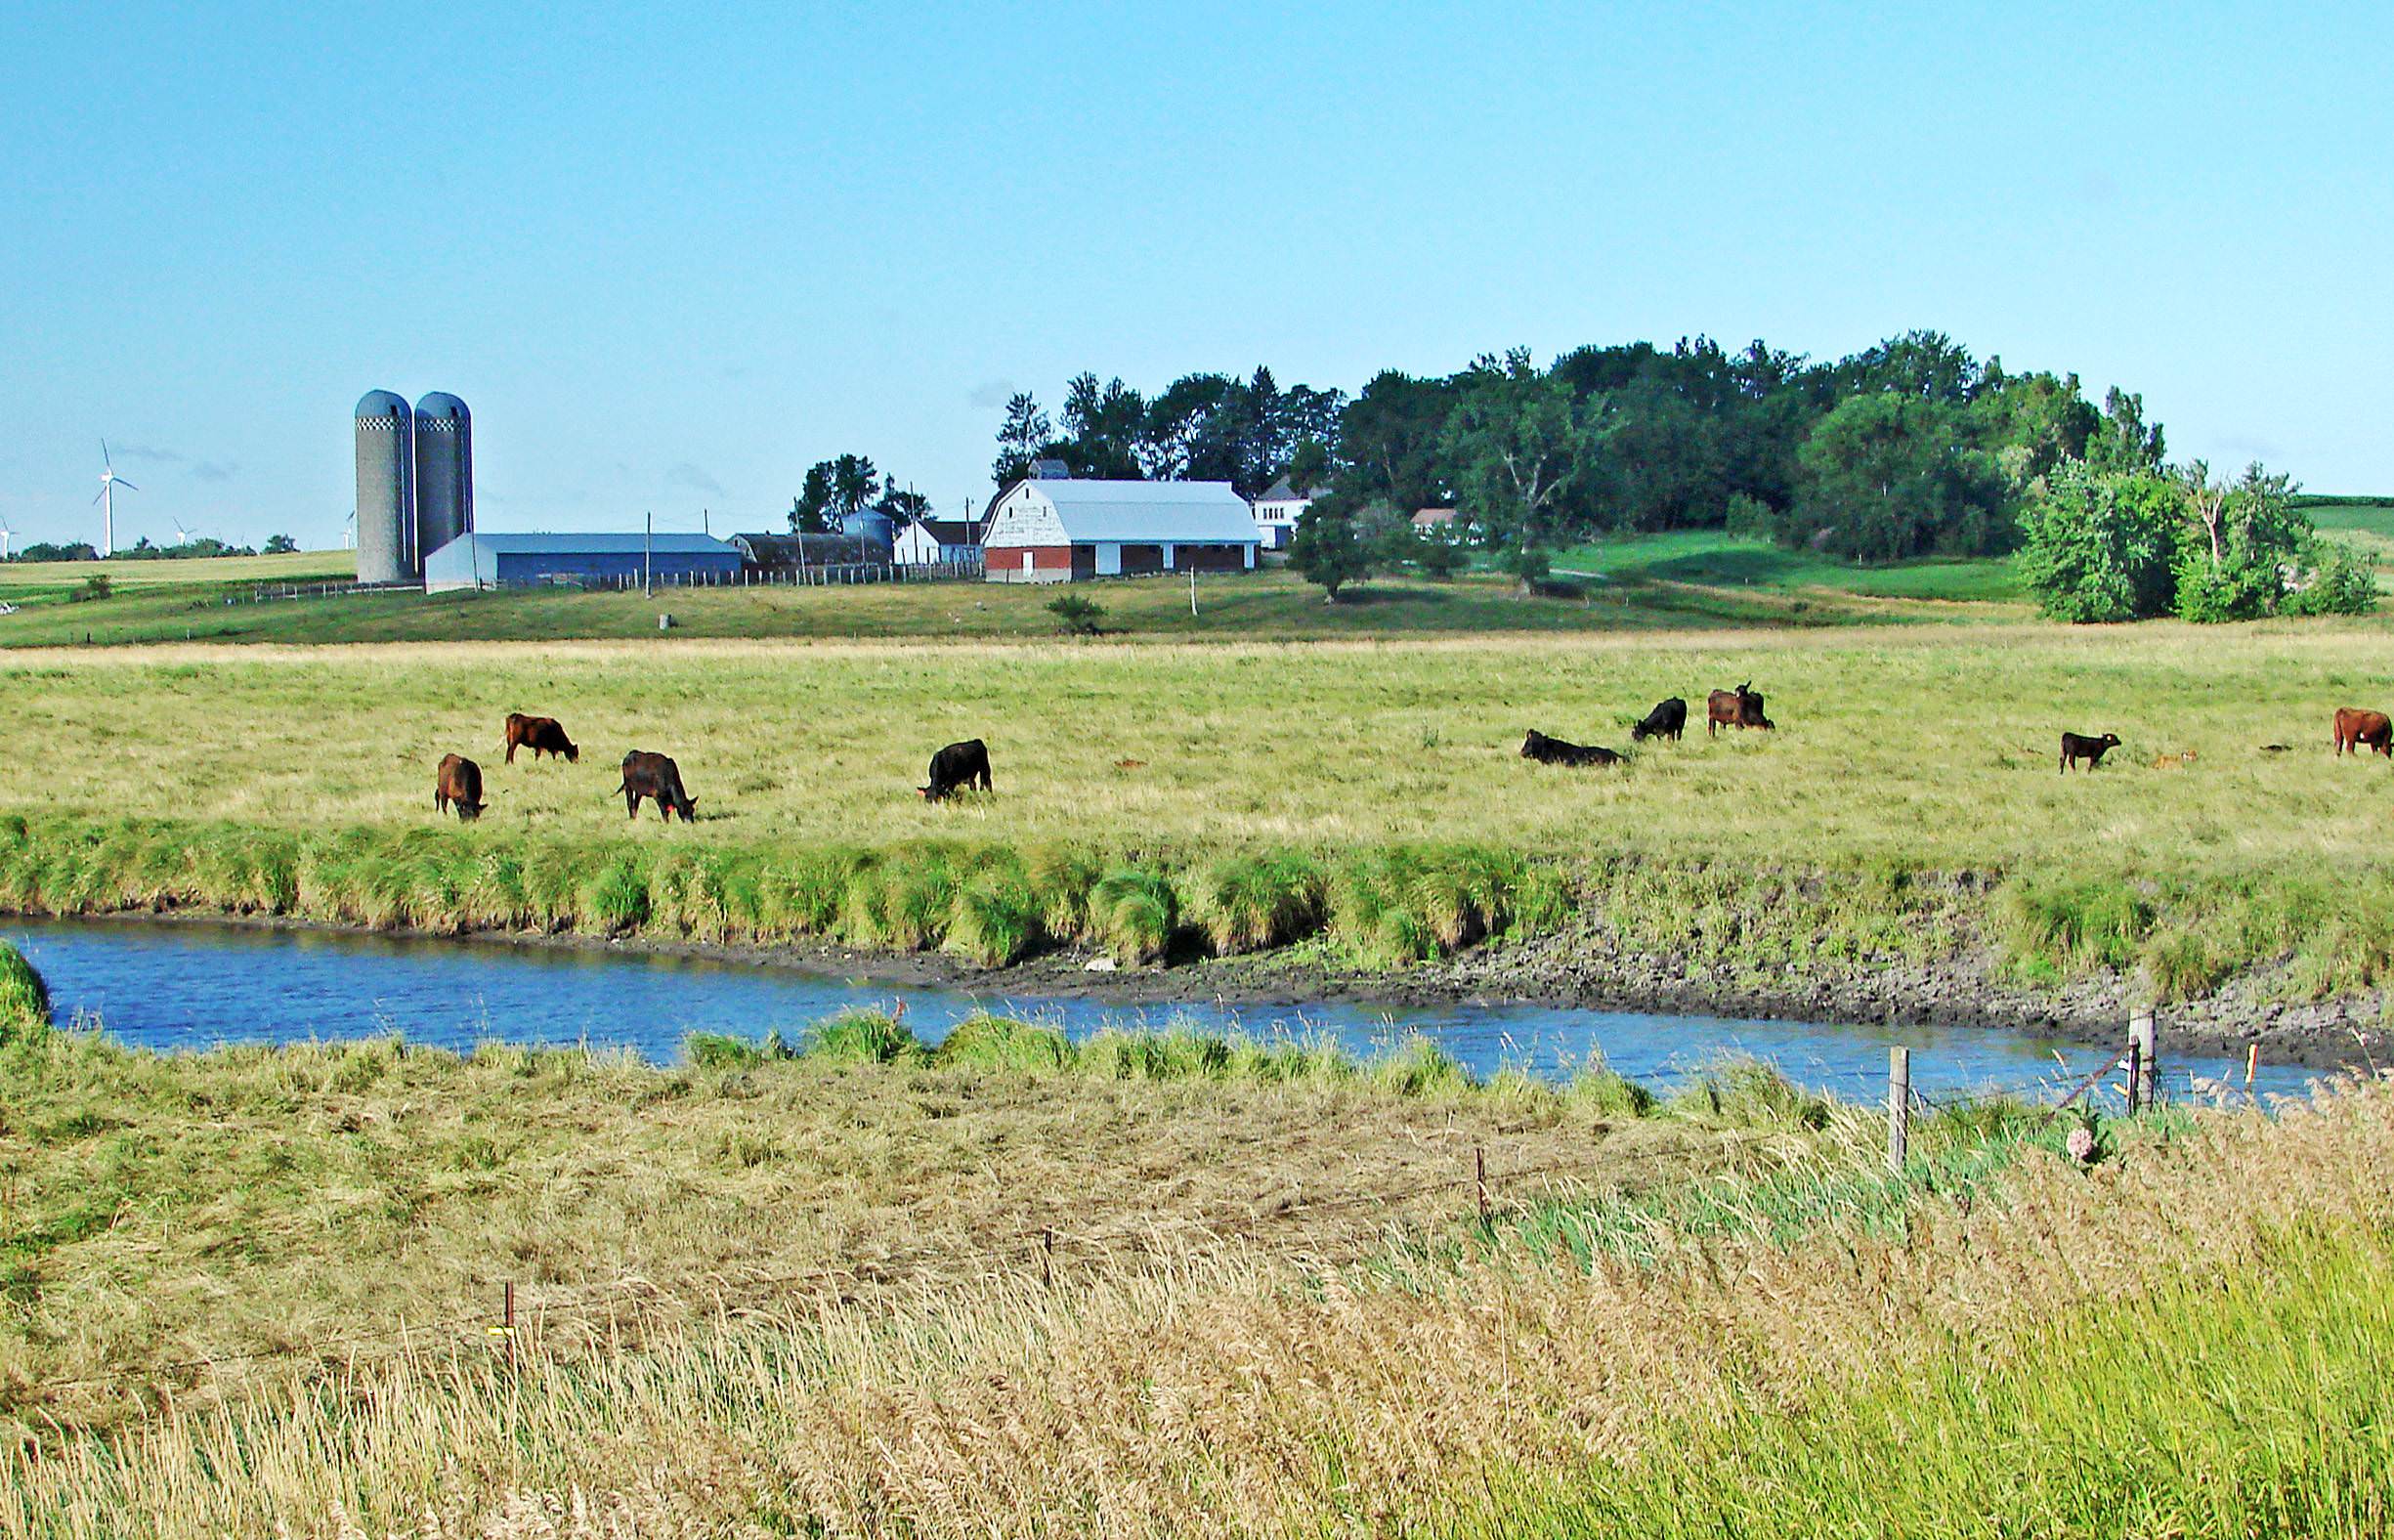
point(1066, 531)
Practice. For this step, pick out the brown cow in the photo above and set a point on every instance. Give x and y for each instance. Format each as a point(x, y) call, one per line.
point(458, 781)
point(539, 734)
point(1739, 707)
point(2356, 730)
point(655, 776)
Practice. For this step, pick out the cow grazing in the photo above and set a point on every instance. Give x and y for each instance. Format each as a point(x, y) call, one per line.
point(539, 734)
point(657, 776)
point(2078, 746)
point(1555, 752)
point(2357, 730)
point(458, 783)
point(1740, 708)
point(1668, 719)
point(955, 767)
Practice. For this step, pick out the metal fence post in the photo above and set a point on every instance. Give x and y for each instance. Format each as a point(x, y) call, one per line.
point(1898, 1107)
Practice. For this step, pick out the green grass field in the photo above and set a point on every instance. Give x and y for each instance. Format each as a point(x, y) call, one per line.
point(1655, 582)
point(1710, 559)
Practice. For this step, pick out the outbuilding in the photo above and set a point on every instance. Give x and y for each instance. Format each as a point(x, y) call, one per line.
point(1278, 510)
point(490, 561)
point(932, 543)
point(1065, 531)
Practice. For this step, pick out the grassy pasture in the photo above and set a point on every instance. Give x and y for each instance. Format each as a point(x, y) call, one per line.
point(1260, 791)
point(1929, 747)
point(1712, 559)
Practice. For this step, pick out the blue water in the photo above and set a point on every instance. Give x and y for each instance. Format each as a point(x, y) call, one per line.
point(193, 986)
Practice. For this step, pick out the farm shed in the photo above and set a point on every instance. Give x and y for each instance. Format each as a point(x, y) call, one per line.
point(487, 561)
point(1065, 531)
point(789, 552)
point(928, 542)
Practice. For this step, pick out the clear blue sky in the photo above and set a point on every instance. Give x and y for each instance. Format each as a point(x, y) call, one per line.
point(672, 255)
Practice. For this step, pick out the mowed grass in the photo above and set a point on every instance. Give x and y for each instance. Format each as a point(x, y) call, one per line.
point(2368, 525)
point(1715, 560)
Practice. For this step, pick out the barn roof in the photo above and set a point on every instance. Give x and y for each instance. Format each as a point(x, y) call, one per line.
point(607, 543)
point(952, 531)
point(1190, 512)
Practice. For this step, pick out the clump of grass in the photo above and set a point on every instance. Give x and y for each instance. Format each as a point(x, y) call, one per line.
point(989, 1041)
point(873, 1036)
point(718, 1050)
point(1421, 1068)
point(1132, 913)
point(1607, 1093)
point(999, 916)
point(1749, 1094)
point(24, 1000)
point(2074, 923)
point(1248, 902)
point(900, 899)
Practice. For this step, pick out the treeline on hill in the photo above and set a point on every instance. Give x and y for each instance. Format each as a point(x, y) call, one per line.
point(142, 550)
point(1910, 448)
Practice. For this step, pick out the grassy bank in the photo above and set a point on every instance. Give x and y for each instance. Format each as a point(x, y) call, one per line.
point(1760, 1338)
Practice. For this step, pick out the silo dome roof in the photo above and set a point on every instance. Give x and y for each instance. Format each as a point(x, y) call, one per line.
point(440, 403)
point(382, 404)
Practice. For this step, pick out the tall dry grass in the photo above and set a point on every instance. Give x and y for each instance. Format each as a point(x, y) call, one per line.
point(2184, 1341)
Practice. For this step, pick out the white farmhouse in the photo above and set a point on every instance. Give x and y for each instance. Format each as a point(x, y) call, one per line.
point(1065, 531)
point(1277, 512)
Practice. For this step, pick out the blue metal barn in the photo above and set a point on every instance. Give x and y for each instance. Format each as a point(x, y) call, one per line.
point(493, 560)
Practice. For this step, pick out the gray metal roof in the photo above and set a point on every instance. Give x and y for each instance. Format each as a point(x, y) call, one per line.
point(952, 531)
point(610, 543)
point(382, 404)
point(1210, 513)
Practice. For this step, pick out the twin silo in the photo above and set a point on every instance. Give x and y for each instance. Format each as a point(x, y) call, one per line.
point(415, 482)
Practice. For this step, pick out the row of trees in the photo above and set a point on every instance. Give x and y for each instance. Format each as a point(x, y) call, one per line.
point(142, 550)
point(2127, 542)
point(1909, 447)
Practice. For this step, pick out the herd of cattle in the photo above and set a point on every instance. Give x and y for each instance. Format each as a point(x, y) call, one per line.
point(654, 777)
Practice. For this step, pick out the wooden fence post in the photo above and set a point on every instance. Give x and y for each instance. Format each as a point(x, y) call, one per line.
point(2143, 1069)
point(1480, 1181)
point(1898, 1107)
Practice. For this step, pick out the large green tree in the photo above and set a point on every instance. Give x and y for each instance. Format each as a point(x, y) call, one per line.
point(2101, 545)
point(1517, 443)
point(1890, 475)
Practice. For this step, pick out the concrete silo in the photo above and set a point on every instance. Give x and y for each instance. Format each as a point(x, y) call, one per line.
point(443, 473)
point(386, 490)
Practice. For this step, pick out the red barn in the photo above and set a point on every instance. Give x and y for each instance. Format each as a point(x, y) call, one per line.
point(1043, 531)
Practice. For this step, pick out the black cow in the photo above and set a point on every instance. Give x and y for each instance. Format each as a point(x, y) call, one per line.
point(1555, 752)
point(655, 776)
point(1668, 719)
point(458, 783)
point(955, 767)
point(2078, 746)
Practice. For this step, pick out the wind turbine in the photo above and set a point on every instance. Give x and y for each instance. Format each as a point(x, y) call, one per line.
point(109, 480)
point(348, 533)
point(182, 536)
point(6, 534)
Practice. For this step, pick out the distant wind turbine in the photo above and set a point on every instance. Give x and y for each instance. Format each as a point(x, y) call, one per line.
point(349, 534)
point(182, 536)
point(6, 534)
point(109, 480)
